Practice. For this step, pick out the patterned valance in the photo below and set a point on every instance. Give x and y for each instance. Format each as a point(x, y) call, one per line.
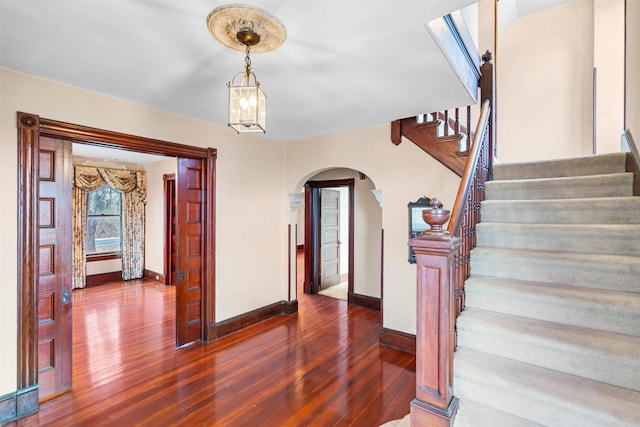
point(91, 178)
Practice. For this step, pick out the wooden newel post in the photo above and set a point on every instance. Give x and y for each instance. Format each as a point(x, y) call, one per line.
point(435, 249)
point(488, 92)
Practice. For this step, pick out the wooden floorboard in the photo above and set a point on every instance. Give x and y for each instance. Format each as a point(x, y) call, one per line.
point(320, 367)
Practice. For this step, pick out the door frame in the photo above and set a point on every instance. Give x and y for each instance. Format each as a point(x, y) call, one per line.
point(169, 188)
point(312, 233)
point(30, 128)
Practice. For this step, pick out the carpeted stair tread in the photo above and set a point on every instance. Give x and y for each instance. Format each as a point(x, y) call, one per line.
point(542, 395)
point(601, 210)
point(402, 422)
point(614, 272)
point(610, 185)
point(621, 239)
point(579, 166)
point(609, 311)
point(597, 355)
point(474, 414)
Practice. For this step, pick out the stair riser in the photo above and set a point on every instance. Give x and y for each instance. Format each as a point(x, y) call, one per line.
point(622, 276)
point(605, 164)
point(512, 396)
point(618, 185)
point(568, 308)
point(617, 364)
point(474, 414)
point(619, 240)
point(577, 211)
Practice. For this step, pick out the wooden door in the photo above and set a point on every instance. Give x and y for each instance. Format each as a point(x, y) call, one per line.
point(190, 247)
point(170, 237)
point(329, 237)
point(54, 267)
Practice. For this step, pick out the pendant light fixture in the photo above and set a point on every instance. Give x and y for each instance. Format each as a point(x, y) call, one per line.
point(247, 28)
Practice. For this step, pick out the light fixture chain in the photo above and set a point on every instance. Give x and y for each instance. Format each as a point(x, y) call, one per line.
point(247, 61)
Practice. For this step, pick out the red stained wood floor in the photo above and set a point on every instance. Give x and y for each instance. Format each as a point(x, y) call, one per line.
point(320, 367)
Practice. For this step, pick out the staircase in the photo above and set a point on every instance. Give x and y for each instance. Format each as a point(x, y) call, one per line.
point(551, 331)
point(442, 137)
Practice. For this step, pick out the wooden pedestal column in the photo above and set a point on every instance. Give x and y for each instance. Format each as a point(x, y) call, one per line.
point(434, 404)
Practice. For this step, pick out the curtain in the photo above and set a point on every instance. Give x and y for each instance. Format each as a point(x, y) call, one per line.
point(133, 230)
point(79, 223)
point(133, 186)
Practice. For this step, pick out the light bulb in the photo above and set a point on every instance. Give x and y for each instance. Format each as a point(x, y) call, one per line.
point(246, 104)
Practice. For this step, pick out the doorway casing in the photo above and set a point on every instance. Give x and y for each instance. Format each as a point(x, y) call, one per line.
point(30, 128)
point(312, 263)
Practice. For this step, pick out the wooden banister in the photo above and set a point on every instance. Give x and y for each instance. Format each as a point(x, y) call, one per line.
point(633, 160)
point(466, 209)
point(469, 170)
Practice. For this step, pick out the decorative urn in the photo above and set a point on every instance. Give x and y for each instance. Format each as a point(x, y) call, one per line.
point(435, 216)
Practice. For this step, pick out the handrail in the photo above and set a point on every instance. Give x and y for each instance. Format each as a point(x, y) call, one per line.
point(633, 160)
point(626, 136)
point(465, 213)
point(469, 170)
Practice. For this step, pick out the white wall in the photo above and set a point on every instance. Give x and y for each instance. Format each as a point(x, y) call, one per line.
point(633, 69)
point(104, 266)
point(251, 201)
point(368, 229)
point(609, 61)
point(403, 173)
point(485, 27)
point(300, 222)
point(552, 70)
point(544, 82)
point(154, 219)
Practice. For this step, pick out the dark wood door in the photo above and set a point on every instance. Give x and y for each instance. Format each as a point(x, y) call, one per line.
point(54, 263)
point(190, 247)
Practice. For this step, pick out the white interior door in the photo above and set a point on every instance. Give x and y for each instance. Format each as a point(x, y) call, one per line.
point(330, 237)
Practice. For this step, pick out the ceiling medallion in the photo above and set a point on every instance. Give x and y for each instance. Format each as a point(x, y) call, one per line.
point(224, 23)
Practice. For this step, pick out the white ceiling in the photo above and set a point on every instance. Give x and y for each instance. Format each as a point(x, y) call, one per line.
point(112, 154)
point(345, 64)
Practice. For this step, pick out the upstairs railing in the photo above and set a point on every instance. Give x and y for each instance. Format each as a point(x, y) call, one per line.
point(442, 258)
point(446, 135)
point(633, 160)
point(457, 128)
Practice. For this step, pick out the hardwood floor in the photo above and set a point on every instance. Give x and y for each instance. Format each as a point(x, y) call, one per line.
point(320, 367)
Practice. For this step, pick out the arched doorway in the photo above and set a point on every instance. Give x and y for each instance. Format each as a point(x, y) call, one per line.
point(364, 245)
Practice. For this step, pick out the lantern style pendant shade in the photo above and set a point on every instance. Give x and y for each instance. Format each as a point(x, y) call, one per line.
point(247, 105)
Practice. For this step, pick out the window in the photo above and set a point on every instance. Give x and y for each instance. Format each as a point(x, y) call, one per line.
point(103, 233)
